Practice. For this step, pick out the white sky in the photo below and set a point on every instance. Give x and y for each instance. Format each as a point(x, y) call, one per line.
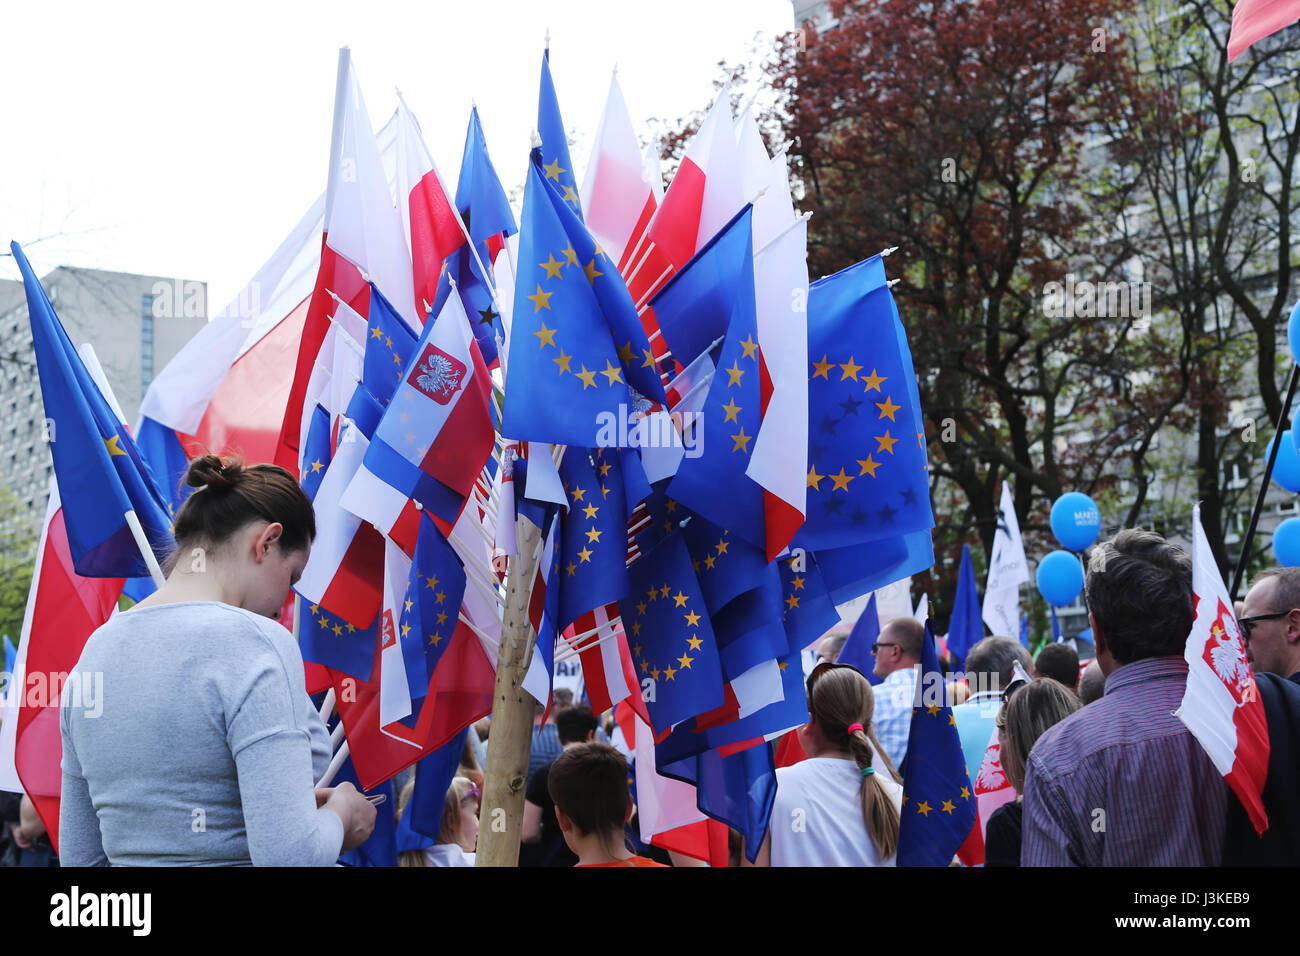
point(186, 140)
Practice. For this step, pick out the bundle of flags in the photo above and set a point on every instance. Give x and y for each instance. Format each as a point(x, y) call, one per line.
point(714, 452)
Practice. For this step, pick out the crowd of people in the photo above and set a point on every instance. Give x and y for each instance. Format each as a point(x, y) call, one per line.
point(1102, 771)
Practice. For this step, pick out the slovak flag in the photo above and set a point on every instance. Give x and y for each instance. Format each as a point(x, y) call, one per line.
point(1221, 706)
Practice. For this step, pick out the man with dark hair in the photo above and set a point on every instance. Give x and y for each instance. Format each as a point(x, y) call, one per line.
point(1060, 662)
point(588, 787)
point(1123, 782)
point(1092, 684)
point(989, 665)
point(543, 843)
point(1270, 623)
point(897, 651)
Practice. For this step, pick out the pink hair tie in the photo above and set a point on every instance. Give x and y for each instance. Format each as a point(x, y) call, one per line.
point(853, 727)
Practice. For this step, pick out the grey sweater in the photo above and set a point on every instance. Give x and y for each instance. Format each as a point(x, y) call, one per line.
point(202, 748)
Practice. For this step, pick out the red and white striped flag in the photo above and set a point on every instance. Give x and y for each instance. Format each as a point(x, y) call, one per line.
point(1221, 706)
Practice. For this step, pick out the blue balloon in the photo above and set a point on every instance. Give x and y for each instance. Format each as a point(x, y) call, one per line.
point(1286, 543)
point(1060, 577)
point(1293, 333)
point(1286, 470)
point(1076, 521)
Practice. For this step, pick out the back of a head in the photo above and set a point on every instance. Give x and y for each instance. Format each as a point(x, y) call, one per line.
point(1060, 662)
point(908, 632)
point(1092, 684)
point(1286, 587)
point(842, 698)
point(575, 724)
point(229, 495)
point(561, 699)
point(1139, 588)
point(1032, 709)
point(989, 664)
point(588, 781)
point(831, 645)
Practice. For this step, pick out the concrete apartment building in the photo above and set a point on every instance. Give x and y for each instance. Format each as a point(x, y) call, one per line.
point(135, 323)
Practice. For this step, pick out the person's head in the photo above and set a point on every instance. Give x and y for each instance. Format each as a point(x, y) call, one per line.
point(253, 525)
point(1270, 622)
point(588, 783)
point(840, 708)
point(575, 725)
point(1026, 716)
point(1060, 662)
point(829, 647)
point(1092, 684)
point(460, 815)
point(1139, 593)
point(561, 699)
point(898, 645)
point(990, 662)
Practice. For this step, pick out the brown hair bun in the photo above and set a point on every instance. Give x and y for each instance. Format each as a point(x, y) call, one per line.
point(209, 471)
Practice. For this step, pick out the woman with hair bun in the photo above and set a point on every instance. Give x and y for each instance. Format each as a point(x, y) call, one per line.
point(203, 747)
point(841, 806)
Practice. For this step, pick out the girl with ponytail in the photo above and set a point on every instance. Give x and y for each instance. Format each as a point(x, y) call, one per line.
point(203, 747)
point(841, 806)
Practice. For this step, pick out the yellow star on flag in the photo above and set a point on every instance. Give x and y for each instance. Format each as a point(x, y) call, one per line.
point(734, 373)
point(814, 479)
point(585, 555)
point(887, 408)
point(554, 169)
point(742, 442)
point(590, 511)
point(923, 808)
point(948, 806)
point(546, 336)
point(592, 271)
point(553, 268)
point(695, 642)
point(732, 410)
point(869, 466)
point(822, 369)
point(113, 447)
point(685, 661)
point(541, 300)
point(562, 361)
point(873, 381)
point(886, 443)
point(850, 370)
point(669, 673)
point(612, 372)
point(750, 347)
point(588, 378)
point(841, 480)
point(692, 618)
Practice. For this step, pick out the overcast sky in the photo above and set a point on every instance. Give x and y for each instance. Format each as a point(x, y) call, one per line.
point(187, 139)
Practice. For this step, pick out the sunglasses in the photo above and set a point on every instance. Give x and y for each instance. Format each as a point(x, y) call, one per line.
point(875, 648)
point(1247, 624)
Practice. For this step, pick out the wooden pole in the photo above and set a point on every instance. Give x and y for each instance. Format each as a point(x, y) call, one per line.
point(501, 816)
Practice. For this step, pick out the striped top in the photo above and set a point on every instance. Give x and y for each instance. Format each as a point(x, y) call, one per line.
point(1123, 782)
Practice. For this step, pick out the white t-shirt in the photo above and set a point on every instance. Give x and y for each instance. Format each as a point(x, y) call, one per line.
point(448, 854)
point(817, 815)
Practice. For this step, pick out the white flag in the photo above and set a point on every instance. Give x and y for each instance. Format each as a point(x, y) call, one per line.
point(1007, 571)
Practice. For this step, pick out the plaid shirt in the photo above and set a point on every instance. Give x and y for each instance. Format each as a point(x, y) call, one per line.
point(893, 715)
point(1123, 782)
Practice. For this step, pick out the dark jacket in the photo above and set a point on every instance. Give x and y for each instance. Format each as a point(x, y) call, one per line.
point(1280, 844)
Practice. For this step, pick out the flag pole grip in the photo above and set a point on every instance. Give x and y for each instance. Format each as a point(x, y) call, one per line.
point(146, 552)
point(1263, 485)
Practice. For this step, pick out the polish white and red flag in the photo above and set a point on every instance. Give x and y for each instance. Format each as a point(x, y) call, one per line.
point(1221, 706)
point(617, 196)
point(363, 239)
point(1253, 20)
point(433, 227)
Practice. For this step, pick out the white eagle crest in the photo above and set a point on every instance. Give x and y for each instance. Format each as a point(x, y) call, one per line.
point(1226, 656)
point(438, 375)
point(990, 777)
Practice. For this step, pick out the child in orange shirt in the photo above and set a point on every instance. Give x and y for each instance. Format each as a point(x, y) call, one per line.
point(588, 783)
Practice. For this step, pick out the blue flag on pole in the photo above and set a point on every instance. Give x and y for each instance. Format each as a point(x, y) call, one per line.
point(330, 641)
point(579, 357)
point(857, 649)
point(389, 345)
point(966, 626)
point(419, 825)
point(867, 475)
point(100, 472)
point(808, 611)
point(593, 547)
point(555, 142)
point(380, 848)
point(432, 605)
point(938, 802)
point(316, 455)
point(853, 571)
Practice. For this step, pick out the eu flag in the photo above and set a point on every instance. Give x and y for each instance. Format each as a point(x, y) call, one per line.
point(578, 353)
point(330, 641)
point(670, 635)
point(380, 848)
point(389, 344)
point(715, 483)
point(938, 805)
point(433, 776)
point(555, 142)
point(966, 626)
point(738, 789)
point(809, 611)
point(852, 571)
point(867, 474)
point(857, 649)
point(431, 608)
point(316, 452)
point(749, 630)
point(593, 547)
point(789, 712)
point(100, 472)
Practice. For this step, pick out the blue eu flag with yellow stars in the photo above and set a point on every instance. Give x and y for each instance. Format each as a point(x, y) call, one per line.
point(715, 483)
point(593, 549)
point(432, 604)
point(867, 474)
point(330, 641)
point(579, 357)
point(316, 452)
point(670, 635)
point(807, 611)
point(389, 344)
point(555, 142)
point(100, 472)
point(938, 802)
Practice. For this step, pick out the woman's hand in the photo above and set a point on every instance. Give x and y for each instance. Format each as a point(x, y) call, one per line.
point(356, 812)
